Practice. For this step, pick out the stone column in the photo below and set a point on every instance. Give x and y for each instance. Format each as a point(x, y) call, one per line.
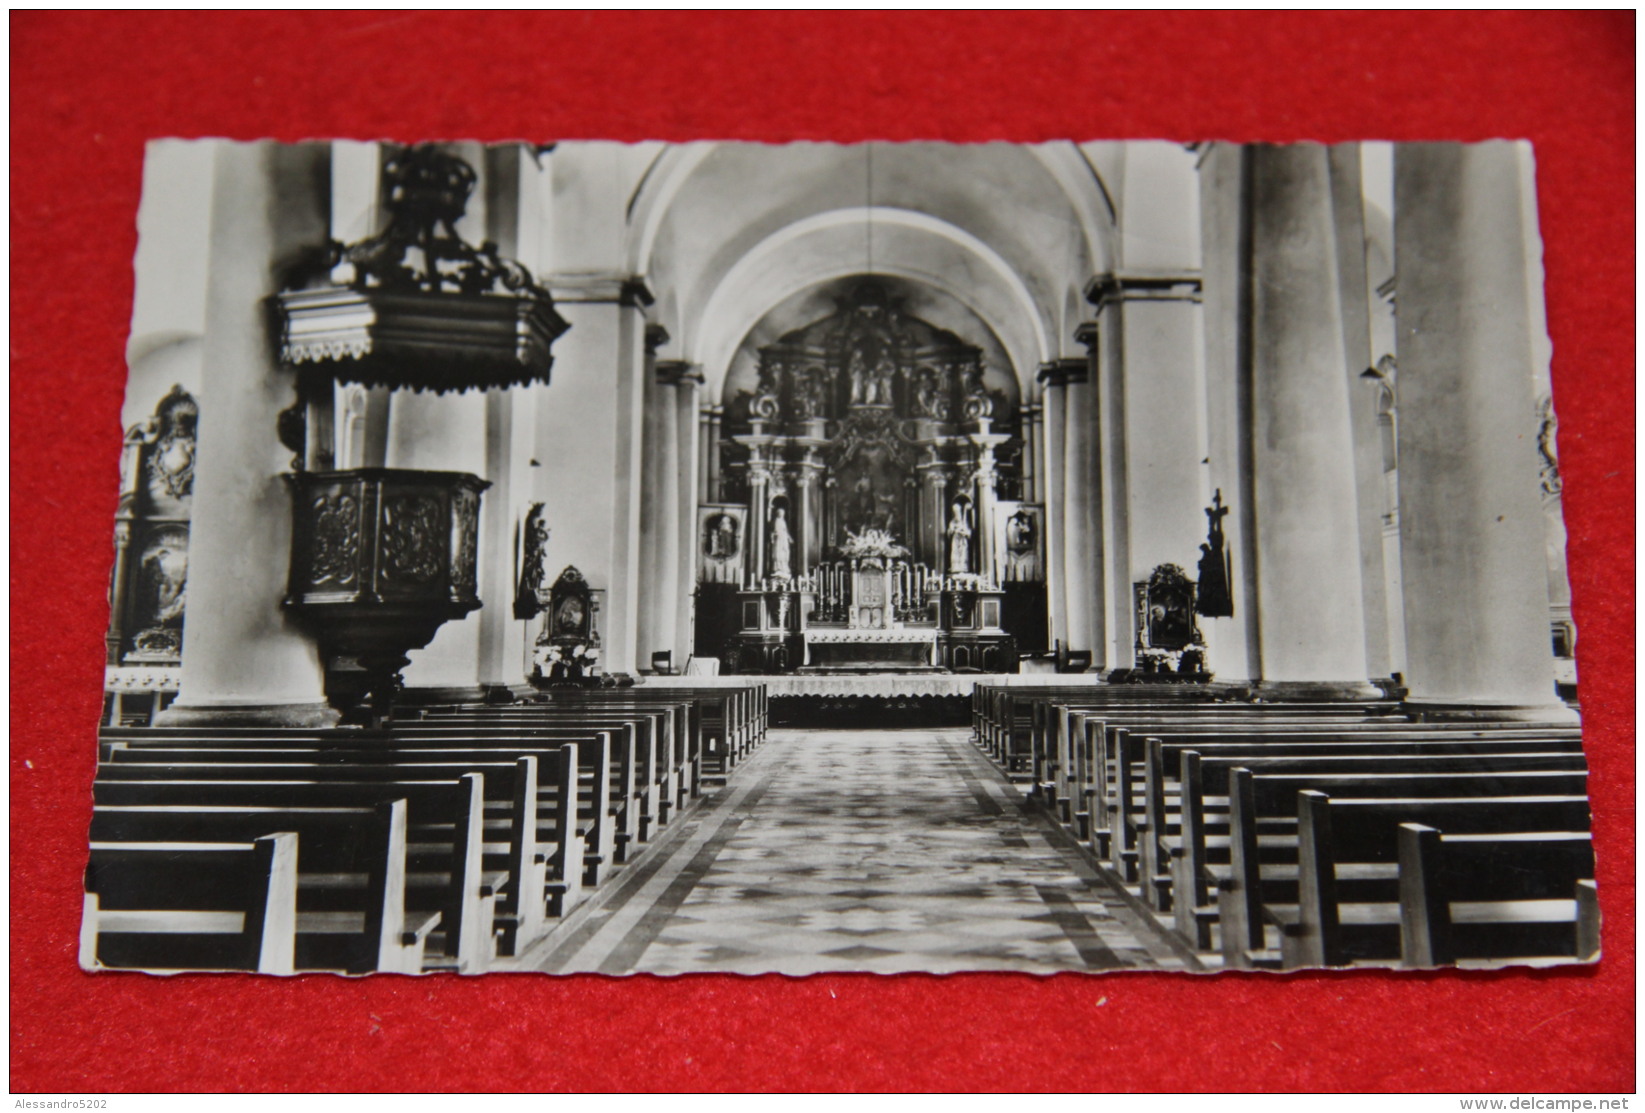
point(1149, 373)
point(1348, 202)
point(588, 441)
point(1148, 352)
point(513, 218)
point(244, 661)
point(687, 386)
point(712, 419)
point(1232, 642)
point(659, 505)
point(590, 423)
point(1311, 617)
point(1030, 452)
point(1471, 534)
point(808, 473)
point(1051, 407)
point(933, 473)
point(1082, 555)
point(761, 471)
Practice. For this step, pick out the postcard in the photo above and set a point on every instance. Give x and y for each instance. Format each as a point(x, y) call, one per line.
point(727, 557)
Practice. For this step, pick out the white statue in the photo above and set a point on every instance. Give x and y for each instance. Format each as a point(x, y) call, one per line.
point(782, 546)
point(959, 540)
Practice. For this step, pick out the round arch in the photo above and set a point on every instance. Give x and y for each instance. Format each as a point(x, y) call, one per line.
point(895, 242)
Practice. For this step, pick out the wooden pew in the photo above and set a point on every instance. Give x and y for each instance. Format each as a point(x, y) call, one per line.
point(445, 871)
point(1506, 896)
point(1184, 825)
point(1392, 755)
point(1072, 743)
point(601, 785)
point(537, 829)
point(1120, 766)
point(192, 906)
point(350, 896)
point(1276, 877)
point(610, 771)
point(657, 777)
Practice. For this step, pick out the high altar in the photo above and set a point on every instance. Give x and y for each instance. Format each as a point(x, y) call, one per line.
point(870, 515)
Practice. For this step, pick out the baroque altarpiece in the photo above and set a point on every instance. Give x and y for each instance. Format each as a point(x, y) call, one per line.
point(870, 510)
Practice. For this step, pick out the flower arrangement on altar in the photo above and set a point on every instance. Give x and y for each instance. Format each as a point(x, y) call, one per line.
point(559, 662)
point(874, 543)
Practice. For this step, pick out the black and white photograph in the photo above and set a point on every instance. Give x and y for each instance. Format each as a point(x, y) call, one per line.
point(725, 557)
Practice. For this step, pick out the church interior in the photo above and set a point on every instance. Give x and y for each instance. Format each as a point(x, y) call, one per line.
point(900, 556)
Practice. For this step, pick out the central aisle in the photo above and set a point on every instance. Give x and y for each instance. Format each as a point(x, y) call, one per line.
point(883, 851)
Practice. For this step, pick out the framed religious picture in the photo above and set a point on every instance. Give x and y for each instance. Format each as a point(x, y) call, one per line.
point(721, 539)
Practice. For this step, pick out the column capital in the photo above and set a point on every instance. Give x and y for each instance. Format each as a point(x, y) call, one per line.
point(1088, 334)
point(655, 337)
point(1114, 287)
point(1062, 372)
point(678, 372)
point(628, 290)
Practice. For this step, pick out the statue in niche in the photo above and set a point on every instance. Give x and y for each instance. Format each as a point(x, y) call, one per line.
point(871, 376)
point(782, 546)
point(528, 597)
point(978, 402)
point(930, 397)
point(959, 540)
point(1215, 596)
point(808, 395)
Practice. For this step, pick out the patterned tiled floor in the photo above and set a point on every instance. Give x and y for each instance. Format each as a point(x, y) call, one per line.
point(883, 851)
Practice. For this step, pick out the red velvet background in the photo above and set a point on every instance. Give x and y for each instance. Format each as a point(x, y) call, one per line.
point(89, 89)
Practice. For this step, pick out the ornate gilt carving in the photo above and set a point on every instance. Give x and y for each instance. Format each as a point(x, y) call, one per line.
point(171, 459)
point(416, 305)
point(1547, 447)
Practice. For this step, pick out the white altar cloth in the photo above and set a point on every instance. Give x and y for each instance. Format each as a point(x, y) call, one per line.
point(841, 635)
point(890, 685)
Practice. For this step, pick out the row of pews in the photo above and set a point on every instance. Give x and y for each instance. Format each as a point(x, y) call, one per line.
point(1288, 835)
point(446, 839)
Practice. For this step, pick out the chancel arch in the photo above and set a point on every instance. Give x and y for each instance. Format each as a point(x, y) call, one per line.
point(898, 243)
